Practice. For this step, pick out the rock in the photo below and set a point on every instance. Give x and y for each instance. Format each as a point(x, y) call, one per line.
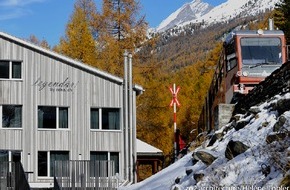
point(254, 110)
point(234, 148)
point(214, 138)
point(283, 105)
point(240, 125)
point(205, 157)
point(188, 171)
point(194, 161)
point(275, 137)
point(177, 180)
point(198, 177)
point(279, 124)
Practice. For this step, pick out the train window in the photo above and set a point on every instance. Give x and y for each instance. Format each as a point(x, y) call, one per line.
point(261, 50)
point(231, 64)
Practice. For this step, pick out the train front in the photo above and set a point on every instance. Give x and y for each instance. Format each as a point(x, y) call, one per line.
point(259, 53)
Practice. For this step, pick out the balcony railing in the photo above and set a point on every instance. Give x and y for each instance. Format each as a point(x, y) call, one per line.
point(94, 175)
point(12, 176)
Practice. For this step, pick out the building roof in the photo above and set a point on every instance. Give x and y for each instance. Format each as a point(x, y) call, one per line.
point(146, 149)
point(68, 60)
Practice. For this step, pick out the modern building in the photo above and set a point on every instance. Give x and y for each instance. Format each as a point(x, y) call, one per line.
point(56, 108)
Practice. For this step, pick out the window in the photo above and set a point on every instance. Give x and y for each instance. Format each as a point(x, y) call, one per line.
point(10, 155)
point(10, 69)
point(11, 116)
point(47, 161)
point(94, 118)
point(7, 156)
point(4, 156)
point(104, 168)
point(52, 117)
point(261, 51)
point(231, 63)
point(105, 118)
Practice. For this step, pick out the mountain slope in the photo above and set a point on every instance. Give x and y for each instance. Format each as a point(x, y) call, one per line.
point(188, 12)
point(200, 12)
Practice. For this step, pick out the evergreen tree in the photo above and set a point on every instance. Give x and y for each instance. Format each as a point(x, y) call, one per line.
point(281, 16)
point(78, 42)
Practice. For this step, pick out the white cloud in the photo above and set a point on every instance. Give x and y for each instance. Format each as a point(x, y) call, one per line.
point(13, 3)
point(11, 9)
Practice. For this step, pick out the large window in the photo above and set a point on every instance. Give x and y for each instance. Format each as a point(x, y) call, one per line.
point(11, 116)
point(47, 161)
point(105, 118)
point(52, 117)
point(104, 163)
point(261, 51)
point(10, 69)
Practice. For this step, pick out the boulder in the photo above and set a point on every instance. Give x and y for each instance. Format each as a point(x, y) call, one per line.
point(240, 125)
point(275, 137)
point(279, 124)
point(234, 148)
point(198, 177)
point(283, 105)
point(188, 171)
point(205, 157)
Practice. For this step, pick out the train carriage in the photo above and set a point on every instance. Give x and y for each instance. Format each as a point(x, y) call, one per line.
point(247, 58)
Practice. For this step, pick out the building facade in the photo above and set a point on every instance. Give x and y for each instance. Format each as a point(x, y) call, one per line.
point(56, 108)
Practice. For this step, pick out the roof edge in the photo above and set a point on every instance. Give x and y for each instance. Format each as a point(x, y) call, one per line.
point(64, 58)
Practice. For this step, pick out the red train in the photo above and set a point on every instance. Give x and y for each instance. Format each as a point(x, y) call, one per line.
point(247, 58)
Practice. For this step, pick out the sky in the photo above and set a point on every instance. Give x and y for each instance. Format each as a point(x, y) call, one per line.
point(47, 19)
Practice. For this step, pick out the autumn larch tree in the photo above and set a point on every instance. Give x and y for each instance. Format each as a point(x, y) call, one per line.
point(119, 28)
point(78, 41)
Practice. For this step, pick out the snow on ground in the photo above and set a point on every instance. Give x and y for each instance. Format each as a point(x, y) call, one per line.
point(246, 169)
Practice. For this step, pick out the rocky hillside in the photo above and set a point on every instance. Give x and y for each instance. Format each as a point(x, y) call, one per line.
point(252, 151)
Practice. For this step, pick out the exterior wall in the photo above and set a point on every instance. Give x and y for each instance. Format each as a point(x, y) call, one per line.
point(86, 89)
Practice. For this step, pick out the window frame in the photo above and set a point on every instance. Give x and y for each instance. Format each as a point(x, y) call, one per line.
point(1, 115)
point(100, 119)
point(108, 158)
point(48, 160)
point(57, 118)
point(10, 69)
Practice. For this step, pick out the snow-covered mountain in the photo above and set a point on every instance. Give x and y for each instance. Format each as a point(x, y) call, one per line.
point(200, 12)
point(187, 13)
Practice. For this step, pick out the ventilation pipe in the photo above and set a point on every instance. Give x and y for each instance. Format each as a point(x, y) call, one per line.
point(129, 135)
point(130, 118)
point(125, 118)
point(271, 24)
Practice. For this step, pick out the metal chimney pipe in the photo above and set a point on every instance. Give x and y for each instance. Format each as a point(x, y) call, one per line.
point(125, 117)
point(130, 118)
point(271, 24)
